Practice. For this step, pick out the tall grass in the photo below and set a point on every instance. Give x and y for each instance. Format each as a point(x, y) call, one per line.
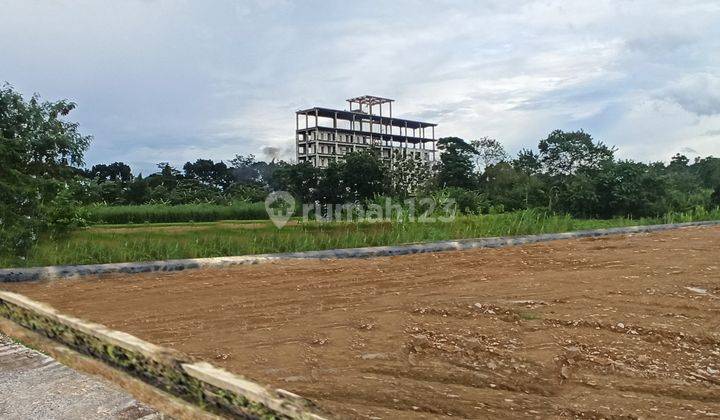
point(161, 213)
point(102, 244)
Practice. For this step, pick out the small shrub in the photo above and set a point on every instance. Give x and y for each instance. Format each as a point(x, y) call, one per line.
point(468, 201)
point(64, 214)
point(247, 192)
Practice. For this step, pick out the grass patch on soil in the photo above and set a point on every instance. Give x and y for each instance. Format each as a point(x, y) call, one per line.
point(144, 242)
point(528, 316)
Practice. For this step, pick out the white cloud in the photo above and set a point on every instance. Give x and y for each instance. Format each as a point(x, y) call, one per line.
point(697, 93)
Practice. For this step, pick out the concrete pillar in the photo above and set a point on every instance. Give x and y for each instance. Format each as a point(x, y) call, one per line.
point(297, 137)
point(317, 139)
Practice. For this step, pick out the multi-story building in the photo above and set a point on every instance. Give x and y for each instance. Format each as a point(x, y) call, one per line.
point(323, 135)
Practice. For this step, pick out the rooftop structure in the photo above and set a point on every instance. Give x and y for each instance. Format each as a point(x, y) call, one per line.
point(323, 135)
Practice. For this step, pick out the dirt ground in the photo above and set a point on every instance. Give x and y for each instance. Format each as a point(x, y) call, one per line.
point(623, 327)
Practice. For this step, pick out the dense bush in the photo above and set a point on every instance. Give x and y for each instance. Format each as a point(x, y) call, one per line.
point(468, 201)
point(64, 214)
point(250, 193)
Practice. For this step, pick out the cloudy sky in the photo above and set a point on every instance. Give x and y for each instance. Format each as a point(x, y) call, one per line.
point(177, 80)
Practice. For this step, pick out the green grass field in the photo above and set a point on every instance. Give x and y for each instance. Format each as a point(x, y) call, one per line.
point(161, 213)
point(142, 242)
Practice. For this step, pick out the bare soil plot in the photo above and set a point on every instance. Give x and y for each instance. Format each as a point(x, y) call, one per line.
point(616, 326)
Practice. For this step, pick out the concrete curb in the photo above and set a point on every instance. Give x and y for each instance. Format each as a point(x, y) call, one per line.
point(70, 271)
point(200, 383)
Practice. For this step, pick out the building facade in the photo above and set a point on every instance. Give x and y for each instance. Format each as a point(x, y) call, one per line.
point(323, 135)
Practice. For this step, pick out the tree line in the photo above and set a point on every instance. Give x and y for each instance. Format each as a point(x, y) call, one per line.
point(568, 172)
point(43, 179)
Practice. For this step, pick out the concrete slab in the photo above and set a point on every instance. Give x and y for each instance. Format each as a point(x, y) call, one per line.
point(35, 386)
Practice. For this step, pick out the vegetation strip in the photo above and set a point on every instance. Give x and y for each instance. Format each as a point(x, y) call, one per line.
point(69, 271)
point(200, 383)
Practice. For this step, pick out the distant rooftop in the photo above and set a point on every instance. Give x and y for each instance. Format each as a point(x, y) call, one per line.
point(369, 100)
point(366, 103)
point(357, 115)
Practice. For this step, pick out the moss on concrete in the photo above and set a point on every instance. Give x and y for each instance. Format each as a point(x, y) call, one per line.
point(165, 374)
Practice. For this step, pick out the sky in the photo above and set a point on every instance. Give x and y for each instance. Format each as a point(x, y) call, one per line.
point(174, 81)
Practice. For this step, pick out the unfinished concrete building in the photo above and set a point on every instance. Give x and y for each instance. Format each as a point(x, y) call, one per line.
point(324, 135)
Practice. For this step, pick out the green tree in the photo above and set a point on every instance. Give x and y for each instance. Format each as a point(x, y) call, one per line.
point(678, 162)
point(244, 169)
point(331, 187)
point(527, 162)
point(363, 175)
point(564, 153)
point(300, 180)
point(212, 174)
point(112, 192)
point(37, 148)
point(250, 178)
point(511, 188)
point(708, 171)
point(84, 190)
point(117, 171)
point(137, 191)
point(628, 188)
point(456, 165)
point(407, 175)
point(167, 177)
point(489, 152)
point(715, 196)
